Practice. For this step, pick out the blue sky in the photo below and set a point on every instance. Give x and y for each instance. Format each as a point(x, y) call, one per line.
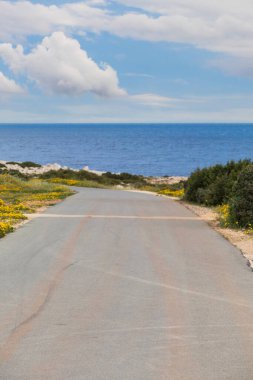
point(126, 61)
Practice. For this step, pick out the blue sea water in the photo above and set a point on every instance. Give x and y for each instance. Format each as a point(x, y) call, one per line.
point(152, 149)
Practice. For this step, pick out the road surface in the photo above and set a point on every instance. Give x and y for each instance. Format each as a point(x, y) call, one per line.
point(112, 285)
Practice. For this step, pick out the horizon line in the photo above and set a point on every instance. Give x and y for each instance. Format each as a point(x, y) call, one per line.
point(126, 123)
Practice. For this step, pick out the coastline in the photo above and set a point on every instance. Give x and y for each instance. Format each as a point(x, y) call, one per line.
point(43, 169)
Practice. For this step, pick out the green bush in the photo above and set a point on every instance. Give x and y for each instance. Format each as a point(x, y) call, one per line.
point(214, 185)
point(125, 177)
point(29, 164)
point(241, 203)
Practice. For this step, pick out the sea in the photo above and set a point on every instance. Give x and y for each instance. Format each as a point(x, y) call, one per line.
point(147, 149)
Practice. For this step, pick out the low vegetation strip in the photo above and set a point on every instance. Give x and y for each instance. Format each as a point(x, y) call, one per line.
point(84, 178)
point(76, 182)
point(23, 196)
point(54, 173)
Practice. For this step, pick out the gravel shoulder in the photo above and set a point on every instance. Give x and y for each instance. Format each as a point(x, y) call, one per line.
point(238, 238)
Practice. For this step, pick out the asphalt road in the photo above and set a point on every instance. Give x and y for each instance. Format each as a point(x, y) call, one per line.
point(112, 285)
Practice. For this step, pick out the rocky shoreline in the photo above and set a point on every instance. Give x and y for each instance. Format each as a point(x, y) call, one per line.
point(166, 180)
point(42, 169)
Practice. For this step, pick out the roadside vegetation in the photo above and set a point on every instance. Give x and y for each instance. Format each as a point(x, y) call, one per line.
point(85, 178)
point(228, 188)
point(23, 196)
point(174, 190)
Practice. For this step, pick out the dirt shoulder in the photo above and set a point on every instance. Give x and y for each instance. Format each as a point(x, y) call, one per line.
point(238, 238)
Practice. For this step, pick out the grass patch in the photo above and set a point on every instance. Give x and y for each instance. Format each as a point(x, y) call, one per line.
point(112, 181)
point(19, 196)
point(78, 183)
point(84, 178)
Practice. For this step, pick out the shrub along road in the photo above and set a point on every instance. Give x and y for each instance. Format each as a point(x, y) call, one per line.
point(119, 285)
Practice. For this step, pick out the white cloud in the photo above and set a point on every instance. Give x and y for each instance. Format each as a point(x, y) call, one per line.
point(221, 108)
point(19, 19)
point(223, 26)
point(140, 75)
point(153, 100)
point(226, 32)
point(59, 65)
point(8, 86)
point(236, 67)
point(191, 7)
point(157, 101)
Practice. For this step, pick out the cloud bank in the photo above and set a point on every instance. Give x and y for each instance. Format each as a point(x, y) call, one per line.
point(221, 26)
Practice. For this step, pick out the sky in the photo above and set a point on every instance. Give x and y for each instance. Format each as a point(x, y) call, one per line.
point(126, 61)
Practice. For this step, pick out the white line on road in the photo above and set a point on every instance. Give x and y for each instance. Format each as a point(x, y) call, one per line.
point(170, 287)
point(31, 216)
point(206, 340)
